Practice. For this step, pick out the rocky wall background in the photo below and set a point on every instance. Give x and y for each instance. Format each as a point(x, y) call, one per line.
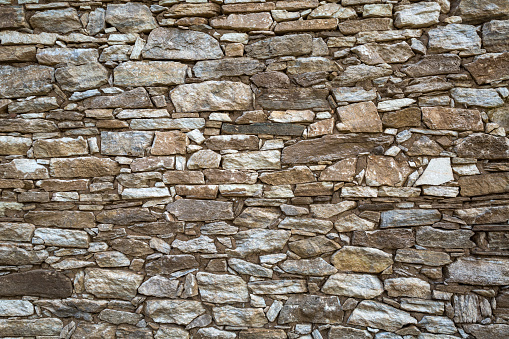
point(254, 169)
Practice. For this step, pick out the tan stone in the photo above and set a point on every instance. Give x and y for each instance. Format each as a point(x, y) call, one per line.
point(359, 117)
point(452, 118)
point(306, 25)
point(490, 183)
point(166, 143)
point(356, 26)
point(294, 175)
point(385, 171)
point(244, 22)
point(64, 147)
point(83, 167)
point(361, 259)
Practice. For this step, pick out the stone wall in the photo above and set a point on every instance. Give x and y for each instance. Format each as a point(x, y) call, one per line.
point(254, 170)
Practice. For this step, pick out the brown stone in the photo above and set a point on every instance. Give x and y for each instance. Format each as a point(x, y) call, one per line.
point(306, 25)
point(167, 264)
point(312, 247)
point(17, 53)
point(294, 98)
point(311, 309)
point(295, 175)
point(332, 147)
point(197, 191)
point(484, 215)
point(63, 219)
point(64, 147)
point(475, 11)
point(356, 26)
point(271, 79)
point(12, 17)
point(407, 117)
point(425, 146)
point(452, 118)
point(495, 35)
point(152, 163)
point(86, 330)
point(264, 128)
point(206, 10)
point(422, 257)
point(132, 247)
point(489, 68)
point(83, 167)
point(248, 7)
point(201, 210)
point(488, 331)
point(361, 259)
point(385, 171)
point(314, 189)
point(484, 184)
point(261, 333)
point(236, 142)
point(483, 146)
point(26, 81)
point(428, 236)
point(433, 65)
point(166, 143)
point(384, 238)
point(244, 22)
point(27, 125)
point(343, 170)
point(295, 5)
point(293, 44)
point(217, 176)
point(37, 283)
point(56, 185)
point(159, 227)
point(135, 98)
point(183, 177)
point(359, 117)
point(125, 216)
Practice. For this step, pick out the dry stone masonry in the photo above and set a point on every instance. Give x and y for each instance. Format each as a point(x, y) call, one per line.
point(254, 169)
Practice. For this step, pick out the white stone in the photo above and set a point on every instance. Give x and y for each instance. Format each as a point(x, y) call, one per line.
point(438, 172)
point(394, 105)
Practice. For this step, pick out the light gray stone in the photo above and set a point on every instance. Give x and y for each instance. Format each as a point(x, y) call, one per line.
point(132, 17)
point(255, 160)
point(222, 288)
point(159, 287)
point(454, 37)
point(233, 316)
point(377, 315)
point(82, 77)
point(421, 14)
point(364, 286)
point(409, 217)
point(180, 312)
point(259, 241)
point(214, 69)
point(25, 81)
point(125, 143)
point(105, 283)
point(62, 238)
point(16, 308)
point(149, 73)
point(482, 97)
point(482, 271)
point(437, 172)
point(313, 267)
point(56, 20)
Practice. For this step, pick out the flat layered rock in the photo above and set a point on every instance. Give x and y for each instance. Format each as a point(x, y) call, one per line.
point(244, 22)
point(361, 259)
point(311, 309)
point(167, 264)
point(359, 117)
point(313, 267)
point(306, 25)
point(82, 77)
point(180, 312)
point(407, 287)
point(56, 20)
point(178, 44)
point(233, 316)
point(364, 286)
point(37, 283)
point(135, 98)
point(373, 24)
point(313, 246)
point(357, 73)
point(257, 241)
point(213, 69)
point(482, 272)
point(278, 286)
point(484, 215)
point(212, 96)
point(433, 237)
point(293, 44)
point(125, 216)
point(62, 238)
point(206, 10)
point(17, 53)
point(130, 17)
point(423, 14)
point(63, 219)
point(485, 184)
point(409, 217)
point(423, 257)
point(83, 167)
point(457, 119)
point(377, 315)
point(222, 288)
point(201, 210)
point(66, 56)
point(294, 175)
point(31, 327)
point(454, 37)
point(495, 35)
point(264, 128)
point(434, 65)
point(27, 125)
point(14, 145)
point(25, 81)
point(254, 160)
point(390, 238)
point(476, 11)
point(483, 146)
point(130, 143)
point(293, 98)
point(332, 147)
point(105, 283)
point(262, 334)
point(12, 17)
point(14, 255)
point(489, 68)
point(482, 97)
point(149, 73)
point(340, 332)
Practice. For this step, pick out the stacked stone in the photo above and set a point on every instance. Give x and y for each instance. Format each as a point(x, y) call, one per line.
point(254, 169)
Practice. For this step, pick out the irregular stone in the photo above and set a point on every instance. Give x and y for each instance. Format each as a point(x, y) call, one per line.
point(206, 10)
point(168, 143)
point(409, 217)
point(96, 21)
point(38, 104)
point(314, 267)
point(112, 284)
point(256, 241)
point(423, 306)
point(83, 167)
point(132, 247)
point(485, 184)
point(233, 316)
point(202, 244)
point(437, 172)
point(423, 257)
point(237, 142)
point(63, 147)
point(111, 259)
point(31, 327)
point(135, 98)
point(23, 169)
point(329, 210)
point(264, 128)
point(293, 44)
point(377, 315)
point(422, 14)
point(476, 11)
point(62, 219)
point(215, 176)
point(278, 286)
point(489, 68)
point(62, 238)
point(213, 69)
point(37, 283)
point(331, 147)
point(452, 118)
point(167, 264)
point(180, 312)
point(246, 267)
point(244, 22)
point(255, 217)
point(382, 170)
point(477, 97)
point(125, 216)
point(311, 64)
point(361, 259)
point(306, 224)
point(340, 332)
point(178, 44)
point(431, 237)
point(201, 210)
point(311, 309)
point(343, 170)
point(132, 17)
point(119, 317)
point(14, 145)
point(82, 77)
point(390, 238)
point(408, 287)
point(434, 65)
point(353, 223)
point(353, 94)
point(271, 79)
point(255, 333)
point(27, 125)
point(353, 285)
point(252, 160)
point(494, 35)
point(222, 288)
point(372, 24)
point(313, 246)
point(12, 17)
point(56, 20)
point(93, 331)
point(150, 73)
point(167, 332)
point(374, 54)
point(10, 231)
point(358, 73)
point(359, 117)
point(293, 98)
point(294, 175)
point(13, 255)
point(17, 53)
point(454, 37)
point(306, 25)
point(26, 81)
point(483, 146)
point(213, 333)
point(475, 271)
point(211, 96)
point(487, 331)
